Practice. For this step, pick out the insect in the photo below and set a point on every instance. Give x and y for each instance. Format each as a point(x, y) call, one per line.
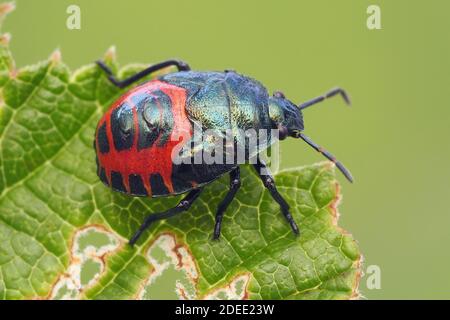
point(136, 138)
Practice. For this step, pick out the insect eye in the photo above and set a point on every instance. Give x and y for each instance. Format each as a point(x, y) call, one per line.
point(282, 132)
point(279, 94)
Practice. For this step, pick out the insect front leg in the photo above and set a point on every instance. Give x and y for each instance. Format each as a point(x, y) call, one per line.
point(181, 66)
point(269, 183)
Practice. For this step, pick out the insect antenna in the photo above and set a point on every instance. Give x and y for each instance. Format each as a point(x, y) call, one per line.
point(326, 154)
point(327, 95)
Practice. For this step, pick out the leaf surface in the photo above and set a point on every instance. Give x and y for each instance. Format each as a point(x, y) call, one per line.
point(63, 234)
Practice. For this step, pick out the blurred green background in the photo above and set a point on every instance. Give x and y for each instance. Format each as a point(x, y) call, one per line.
point(394, 138)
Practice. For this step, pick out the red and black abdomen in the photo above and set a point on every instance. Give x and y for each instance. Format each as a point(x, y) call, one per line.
point(137, 136)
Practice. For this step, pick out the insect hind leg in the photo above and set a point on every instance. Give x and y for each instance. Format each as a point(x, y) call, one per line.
point(183, 205)
point(181, 66)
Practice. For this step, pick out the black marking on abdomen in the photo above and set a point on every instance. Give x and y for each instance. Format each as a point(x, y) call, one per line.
point(182, 177)
point(102, 139)
point(102, 176)
point(122, 127)
point(148, 130)
point(187, 176)
point(155, 120)
point(157, 185)
point(137, 185)
point(117, 182)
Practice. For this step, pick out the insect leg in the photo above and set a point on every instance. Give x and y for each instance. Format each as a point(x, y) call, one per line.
point(183, 205)
point(235, 184)
point(327, 95)
point(269, 183)
point(182, 66)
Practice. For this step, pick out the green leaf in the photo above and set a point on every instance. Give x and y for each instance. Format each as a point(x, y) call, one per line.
point(63, 234)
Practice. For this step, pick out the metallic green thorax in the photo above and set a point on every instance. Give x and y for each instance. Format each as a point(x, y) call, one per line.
point(223, 101)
